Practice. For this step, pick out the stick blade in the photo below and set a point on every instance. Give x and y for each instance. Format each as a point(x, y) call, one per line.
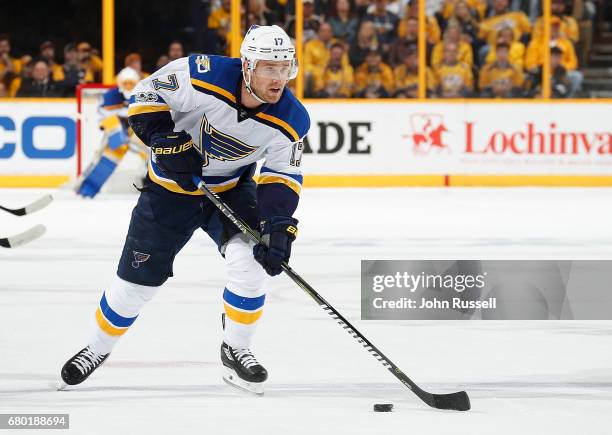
point(458, 401)
point(23, 238)
point(38, 204)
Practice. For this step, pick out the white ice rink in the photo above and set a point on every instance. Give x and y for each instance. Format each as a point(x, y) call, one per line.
point(547, 377)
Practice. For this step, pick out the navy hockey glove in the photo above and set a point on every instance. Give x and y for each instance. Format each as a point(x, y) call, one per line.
point(177, 158)
point(277, 234)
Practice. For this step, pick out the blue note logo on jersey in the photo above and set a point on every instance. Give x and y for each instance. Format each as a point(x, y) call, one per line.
point(220, 146)
point(202, 64)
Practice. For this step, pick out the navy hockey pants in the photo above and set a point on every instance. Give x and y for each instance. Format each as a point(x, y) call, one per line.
point(163, 222)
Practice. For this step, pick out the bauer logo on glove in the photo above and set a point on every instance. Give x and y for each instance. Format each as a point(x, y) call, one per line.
point(177, 157)
point(174, 150)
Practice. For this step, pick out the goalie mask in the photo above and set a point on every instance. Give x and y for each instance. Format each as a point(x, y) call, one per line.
point(269, 43)
point(127, 79)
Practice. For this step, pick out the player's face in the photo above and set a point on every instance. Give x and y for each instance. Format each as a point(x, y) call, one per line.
point(269, 79)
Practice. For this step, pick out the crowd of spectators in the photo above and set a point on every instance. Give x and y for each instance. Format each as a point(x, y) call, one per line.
point(474, 48)
point(366, 49)
point(43, 76)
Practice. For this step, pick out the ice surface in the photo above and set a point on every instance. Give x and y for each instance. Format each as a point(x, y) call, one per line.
point(164, 376)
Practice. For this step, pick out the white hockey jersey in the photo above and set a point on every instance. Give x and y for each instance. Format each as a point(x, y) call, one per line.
point(202, 94)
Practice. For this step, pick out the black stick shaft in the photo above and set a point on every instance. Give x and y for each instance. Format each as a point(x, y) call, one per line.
point(428, 398)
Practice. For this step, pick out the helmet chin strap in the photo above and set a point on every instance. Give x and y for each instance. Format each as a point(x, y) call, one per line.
point(247, 83)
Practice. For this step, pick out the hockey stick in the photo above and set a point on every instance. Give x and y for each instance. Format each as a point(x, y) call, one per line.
point(30, 208)
point(23, 238)
point(458, 401)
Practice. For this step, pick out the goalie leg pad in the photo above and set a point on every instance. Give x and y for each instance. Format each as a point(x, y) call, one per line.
point(99, 172)
point(117, 139)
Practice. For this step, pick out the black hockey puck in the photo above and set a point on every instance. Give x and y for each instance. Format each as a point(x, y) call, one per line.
point(383, 407)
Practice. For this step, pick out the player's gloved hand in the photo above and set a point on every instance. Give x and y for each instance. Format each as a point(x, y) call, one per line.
point(177, 157)
point(277, 234)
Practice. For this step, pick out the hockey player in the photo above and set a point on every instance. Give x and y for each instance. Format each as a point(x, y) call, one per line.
point(117, 135)
point(215, 117)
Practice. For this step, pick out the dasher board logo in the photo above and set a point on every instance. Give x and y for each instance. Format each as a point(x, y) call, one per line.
point(139, 257)
point(428, 133)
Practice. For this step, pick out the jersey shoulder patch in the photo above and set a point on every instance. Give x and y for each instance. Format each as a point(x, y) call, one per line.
point(288, 115)
point(215, 75)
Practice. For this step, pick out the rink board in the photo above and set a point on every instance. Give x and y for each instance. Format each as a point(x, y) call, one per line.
point(371, 144)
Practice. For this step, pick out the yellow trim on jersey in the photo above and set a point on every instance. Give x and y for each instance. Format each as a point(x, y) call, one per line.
point(268, 179)
point(170, 185)
point(106, 326)
point(242, 316)
point(215, 89)
point(281, 123)
point(138, 110)
point(173, 187)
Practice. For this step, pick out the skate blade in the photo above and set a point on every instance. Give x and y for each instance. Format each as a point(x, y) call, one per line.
point(231, 378)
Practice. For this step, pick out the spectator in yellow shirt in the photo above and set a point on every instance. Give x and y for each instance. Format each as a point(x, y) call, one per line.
point(454, 78)
point(535, 51)
point(432, 28)
point(10, 68)
point(569, 25)
point(407, 75)
point(336, 79)
point(219, 20)
point(535, 56)
point(479, 6)
point(501, 79)
point(453, 34)
point(374, 79)
point(47, 52)
point(91, 63)
point(316, 51)
point(504, 17)
point(517, 48)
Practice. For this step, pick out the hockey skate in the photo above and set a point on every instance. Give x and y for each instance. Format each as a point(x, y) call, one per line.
point(80, 366)
point(242, 370)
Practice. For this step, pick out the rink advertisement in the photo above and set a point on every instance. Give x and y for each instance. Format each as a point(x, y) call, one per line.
point(367, 143)
point(485, 290)
point(456, 139)
point(37, 142)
